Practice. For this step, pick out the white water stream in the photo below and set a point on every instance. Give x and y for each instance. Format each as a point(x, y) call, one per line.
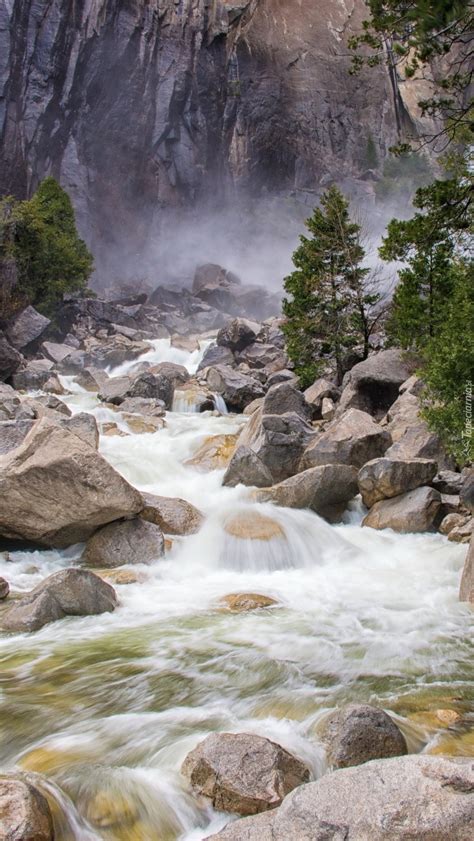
point(108, 706)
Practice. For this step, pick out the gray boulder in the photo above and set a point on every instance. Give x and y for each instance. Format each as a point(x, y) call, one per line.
point(246, 468)
point(284, 375)
point(383, 478)
point(352, 439)
point(407, 798)
point(283, 398)
point(26, 327)
point(4, 588)
point(373, 385)
point(212, 274)
point(143, 406)
point(152, 386)
point(237, 389)
point(325, 490)
point(216, 355)
point(178, 374)
point(24, 811)
point(33, 375)
point(172, 514)
point(10, 358)
point(414, 511)
point(57, 490)
point(315, 394)
point(258, 355)
point(56, 352)
point(84, 425)
point(13, 432)
point(279, 441)
point(128, 542)
point(466, 495)
point(238, 334)
point(358, 733)
point(448, 482)
point(70, 592)
point(242, 773)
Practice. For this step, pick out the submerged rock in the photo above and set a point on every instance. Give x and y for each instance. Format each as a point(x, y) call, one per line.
point(251, 525)
point(24, 811)
point(70, 592)
point(214, 454)
point(242, 773)
point(409, 798)
point(172, 514)
point(244, 602)
point(57, 490)
point(414, 511)
point(129, 542)
point(358, 733)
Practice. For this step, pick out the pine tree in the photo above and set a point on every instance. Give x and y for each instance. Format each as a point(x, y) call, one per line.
point(328, 309)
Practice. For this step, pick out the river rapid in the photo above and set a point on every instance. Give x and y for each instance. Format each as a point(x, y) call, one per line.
point(108, 706)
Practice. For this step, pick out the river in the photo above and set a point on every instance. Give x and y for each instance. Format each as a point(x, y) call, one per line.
point(108, 706)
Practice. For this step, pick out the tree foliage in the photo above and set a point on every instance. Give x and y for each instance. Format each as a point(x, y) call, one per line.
point(330, 307)
point(38, 238)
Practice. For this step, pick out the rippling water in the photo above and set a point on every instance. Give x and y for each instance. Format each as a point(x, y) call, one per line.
point(108, 706)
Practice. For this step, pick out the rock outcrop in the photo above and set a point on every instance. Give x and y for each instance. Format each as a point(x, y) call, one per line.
point(414, 511)
point(384, 478)
point(411, 797)
point(204, 95)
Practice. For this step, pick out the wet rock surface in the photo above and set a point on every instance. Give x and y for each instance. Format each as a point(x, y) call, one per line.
point(24, 811)
point(129, 542)
point(358, 733)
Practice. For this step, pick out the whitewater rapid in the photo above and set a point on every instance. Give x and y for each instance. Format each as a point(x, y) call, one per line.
point(108, 706)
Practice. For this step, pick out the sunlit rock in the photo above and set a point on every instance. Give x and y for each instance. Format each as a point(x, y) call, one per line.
point(214, 454)
point(251, 525)
point(384, 478)
point(243, 602)
point(172, 514)
point(24, 811)
point(414, 511)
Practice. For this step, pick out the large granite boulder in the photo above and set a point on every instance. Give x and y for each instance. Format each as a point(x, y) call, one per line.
point(134, 541)
point(419, 442)
point(317, 392)
point(13, 432)
point(358, 733)
point(283, 398)
point(279, 441)
point(383, 478)
point(262, 356)
point(237, 389)
point(210, 275)
point(55, 489)
point(70, 592)
point(466, 590)
point(238, 334)
point(32, 375)
point(246, 468)
point(353, 439)
point(373, 385)
point(24, 811)
point(153, 386)
point(172, 514)
point(325, 490)
point(407, 798)
point(242, 773)
point(26, 327)
point(414, 511)
point(216, 355)
point(466, 494)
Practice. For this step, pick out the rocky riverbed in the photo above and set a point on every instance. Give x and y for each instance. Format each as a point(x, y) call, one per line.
point(221, 594)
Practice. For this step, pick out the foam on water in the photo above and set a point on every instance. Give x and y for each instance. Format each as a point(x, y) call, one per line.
point(111, 704)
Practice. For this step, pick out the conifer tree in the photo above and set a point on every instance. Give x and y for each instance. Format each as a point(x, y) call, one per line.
point(327, 309)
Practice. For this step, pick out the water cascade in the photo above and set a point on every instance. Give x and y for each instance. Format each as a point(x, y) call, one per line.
point(108, 706)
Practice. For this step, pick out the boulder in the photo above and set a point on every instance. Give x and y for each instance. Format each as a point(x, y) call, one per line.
point(316, 393)
point(244, 602)
point(242, 773)
point(24, 811)
point(33, 375)
point(148, 406)
point(325, 490)
point(11, 406)
point(84, 425)
point(466, 494)
point(451, 521)
point(57, 490)
point(414, 511)
point(238, 334)
point(211, 274)
point(114, 389)
point(383, 478)
point(153, 387)
point(448, 482)
point(10, 358)
point(253, 406)
point(26, 327)
point(139, 425)
point(70, 592)
point(4, 588)
point(48, 404)
point(417, 441)
point(57, 353)
point(353, 439)
point(358, 733)
point(278, 440)
point(373, 385)
point(252, 525)
point(172, 514)
point(246, 468)
point(214, 453)
point(284, 375)
point(283, 398)
point(461, 533)
point(237, 389)
point(258, 355)
point(128, 542)
point(466, 591)
point(92, 379)
point(407, 798)
point(178, 374)
point(114, 351)
point(328, 409)
point(216, 355)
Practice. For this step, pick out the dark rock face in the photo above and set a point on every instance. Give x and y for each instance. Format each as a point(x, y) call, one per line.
point(144, 105)
point(358, 733)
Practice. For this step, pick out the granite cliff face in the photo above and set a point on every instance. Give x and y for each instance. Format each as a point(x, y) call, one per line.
point(139, 106)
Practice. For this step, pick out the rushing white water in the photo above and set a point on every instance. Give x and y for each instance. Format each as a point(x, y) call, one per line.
point(108, 706)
